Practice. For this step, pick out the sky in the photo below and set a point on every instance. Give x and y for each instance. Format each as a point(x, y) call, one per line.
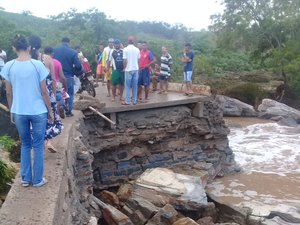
point(194, 14)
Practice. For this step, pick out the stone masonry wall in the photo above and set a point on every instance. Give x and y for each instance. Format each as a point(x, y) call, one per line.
point(164, 137)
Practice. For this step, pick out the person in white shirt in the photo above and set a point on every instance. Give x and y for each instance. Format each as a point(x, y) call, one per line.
point(2, 58)
point(131, 56)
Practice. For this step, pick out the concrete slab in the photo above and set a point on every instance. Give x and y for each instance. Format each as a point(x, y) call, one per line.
point(156, 101)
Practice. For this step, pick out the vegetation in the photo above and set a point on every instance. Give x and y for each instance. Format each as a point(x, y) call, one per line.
point(250, 35)
point(7, 173)
point(12, 146)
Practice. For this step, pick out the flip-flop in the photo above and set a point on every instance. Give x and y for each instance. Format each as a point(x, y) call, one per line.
point(125, 103)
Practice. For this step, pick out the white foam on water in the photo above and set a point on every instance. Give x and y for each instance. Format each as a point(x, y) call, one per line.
point(266, 148)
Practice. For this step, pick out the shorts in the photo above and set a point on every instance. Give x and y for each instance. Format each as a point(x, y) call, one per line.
point(108, 74)
point(100, 69)
point(117, 78)
point(144, 77)
point(187, 76)
point(164, 77)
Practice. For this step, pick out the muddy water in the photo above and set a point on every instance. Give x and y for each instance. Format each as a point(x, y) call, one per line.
point(269, 155)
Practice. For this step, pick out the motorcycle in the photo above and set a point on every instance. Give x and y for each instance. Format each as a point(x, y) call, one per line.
point(87, 84)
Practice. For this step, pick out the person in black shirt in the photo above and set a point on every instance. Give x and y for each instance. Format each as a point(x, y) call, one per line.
point(117, 78)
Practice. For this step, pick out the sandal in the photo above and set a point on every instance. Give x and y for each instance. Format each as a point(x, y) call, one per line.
point(125, 103)
point(50, 148)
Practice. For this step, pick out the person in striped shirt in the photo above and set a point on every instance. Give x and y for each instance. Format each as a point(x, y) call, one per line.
point(165, 70)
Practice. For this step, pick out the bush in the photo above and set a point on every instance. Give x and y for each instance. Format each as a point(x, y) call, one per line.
point(12, 146)
point(6, 175)
point(249, 93)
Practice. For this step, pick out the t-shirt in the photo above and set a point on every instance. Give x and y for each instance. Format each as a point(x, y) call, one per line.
point(57, 65)
point(132, 55)
point(117, 59)
point(145, 58)
point(106, 55)
point(165, 63)
point(99, 57)
point(189, 65)
point(2, 57)
point(25, 78)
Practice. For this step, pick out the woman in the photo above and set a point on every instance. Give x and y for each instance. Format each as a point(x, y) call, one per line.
point(25, 81)
point(54, 127)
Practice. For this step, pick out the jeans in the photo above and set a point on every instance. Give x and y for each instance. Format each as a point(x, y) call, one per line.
point(70, 86)
point(131, 80)
point(29, 139)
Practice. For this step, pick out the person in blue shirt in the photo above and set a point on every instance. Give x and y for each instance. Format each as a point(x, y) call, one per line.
point(188, 59)
point(29, 104)
point(68, 57)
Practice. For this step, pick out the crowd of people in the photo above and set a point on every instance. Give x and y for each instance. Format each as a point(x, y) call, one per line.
point(131, 69)
point(39, 87)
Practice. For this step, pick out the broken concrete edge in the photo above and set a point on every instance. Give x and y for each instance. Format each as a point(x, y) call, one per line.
point(51, 203)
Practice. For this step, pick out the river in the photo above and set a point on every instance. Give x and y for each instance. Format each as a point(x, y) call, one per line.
point(269, 155)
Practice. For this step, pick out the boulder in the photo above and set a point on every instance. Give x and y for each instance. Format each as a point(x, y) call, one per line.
point(286, 115)
point(184, 192)
point(234, 107)
point(82, 102)
point(124, 192)
point(109, 198)
point(165, 216)
point(185, 221)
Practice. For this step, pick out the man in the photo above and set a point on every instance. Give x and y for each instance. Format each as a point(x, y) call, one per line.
point(117, 76)
point(165, 68)
point(146, 60)
point(68, 57)
point(131, 56)
point(106, 55)
point(187, 59)
point(100, 67)
point(2, 58)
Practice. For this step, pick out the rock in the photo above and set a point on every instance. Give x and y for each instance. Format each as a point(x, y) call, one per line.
point(124, 192)
point(111, 215)
point(139, 210)
point(210, 211)
point(84, 101)
point(184, 192)
point(110, 198)
point(205, 221)
point(234, 107)
point(270, 108)
point(93, 221)
point(185, 221)
point(165, 216)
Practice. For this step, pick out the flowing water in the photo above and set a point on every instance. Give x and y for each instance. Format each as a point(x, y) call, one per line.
point(269, 155)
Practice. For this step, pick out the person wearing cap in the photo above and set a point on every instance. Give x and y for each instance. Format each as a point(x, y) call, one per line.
point(106, 56)
point(131, 57)
point(117, 76)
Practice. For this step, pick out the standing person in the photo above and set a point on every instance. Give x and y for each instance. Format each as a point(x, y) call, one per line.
point(2, 58)
point(155, 77)
point(108, 70)
point(187, 59)
point(61, 84)
point(25, 81)
point(117, 76)
point(146, 60)
point(55, 126)
point(69, 59)
point(100, 67)
point(165, 68)
point(131, 57)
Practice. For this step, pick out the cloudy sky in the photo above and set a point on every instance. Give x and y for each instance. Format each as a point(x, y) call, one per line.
point(191, 13)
